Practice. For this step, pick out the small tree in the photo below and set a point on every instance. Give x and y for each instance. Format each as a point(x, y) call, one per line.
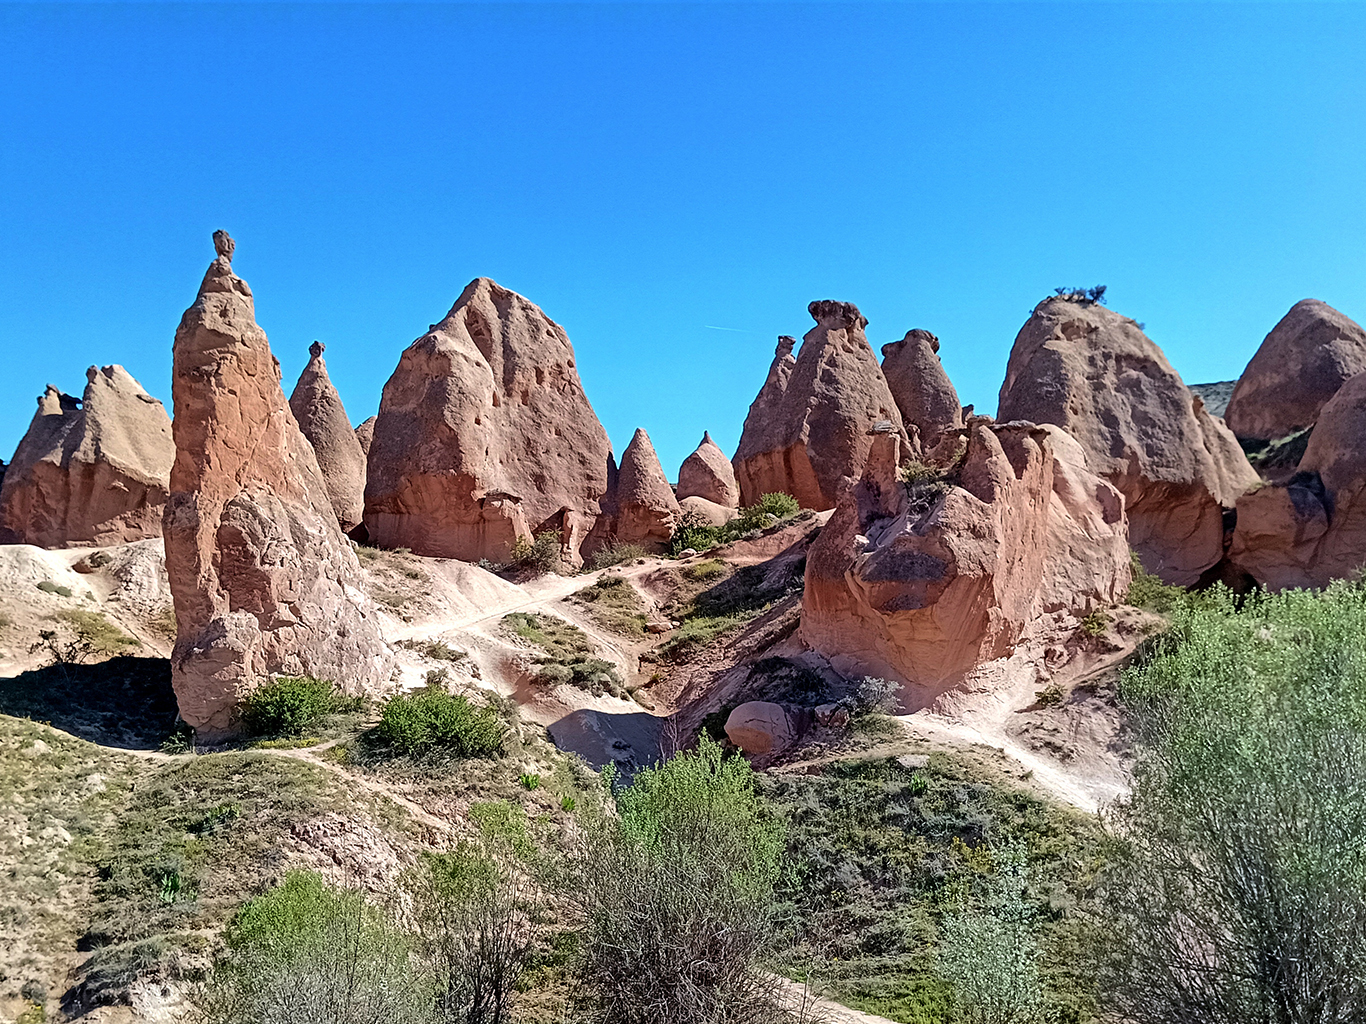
point(308, 953)
point(1237, 892)
point(676, 895)
point(989, 953)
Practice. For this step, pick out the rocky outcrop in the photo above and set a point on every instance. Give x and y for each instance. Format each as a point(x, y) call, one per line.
point(709, 513)
point(761, 727)
point(1095, 374)
point(1312, 530)
point(921, 388)
point(707, 473)
point(921, 583)
point(485, 436)
point(1300, 365)
point(643, 505)
point(322, 418)
point(807, 433)
point(263, 581)
point(365, 435)
point(90, 471)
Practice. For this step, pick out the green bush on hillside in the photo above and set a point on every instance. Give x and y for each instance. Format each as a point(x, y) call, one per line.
point(292, 706)
point(429, 719)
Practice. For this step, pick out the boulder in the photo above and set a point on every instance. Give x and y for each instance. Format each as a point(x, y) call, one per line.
point(1312, 530)
point(707, 473)
point(646, 511)
point(922, 583)
point(365, 434)
point(485, 436)
point(322, 418)
point(1300, 365)
point(808, 430)
point(921, 388)
point(700, 510)
point(761, 727)
point(1095, 374)
point(263, 581)
point(90, 471)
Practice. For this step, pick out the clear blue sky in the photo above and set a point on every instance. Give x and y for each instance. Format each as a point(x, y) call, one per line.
point(648, 173)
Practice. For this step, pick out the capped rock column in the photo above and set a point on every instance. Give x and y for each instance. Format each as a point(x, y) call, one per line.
point(263, 581)
point(485, 436)
point(93, 470)
point(1094, 373)
point(923, 392)
point(646, 509)
point(322, 418)
point(708, 474)
point(809, 430)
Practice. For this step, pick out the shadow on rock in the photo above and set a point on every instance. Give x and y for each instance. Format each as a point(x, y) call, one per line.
point(123, 702)
point(632, 741)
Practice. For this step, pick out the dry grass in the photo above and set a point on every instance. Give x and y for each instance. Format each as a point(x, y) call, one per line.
point(614, 604)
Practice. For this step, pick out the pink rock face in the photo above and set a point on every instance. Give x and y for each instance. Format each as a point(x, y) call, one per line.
point(485, 435)
point(1312, 530)
point(263, 581)
point(760, 727)
point(365, 435)
point(709, 513)
point(1300, 365)
point(90, 472)
point(322, 418)
point(923, 391)
point(1095, 374)
point(646, 510)
point(808, 432)
point(707, 473)
point(923, 584)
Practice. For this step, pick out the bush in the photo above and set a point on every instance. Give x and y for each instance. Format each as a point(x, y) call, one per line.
point(428, 719)
point(676, 893)
point(1085, 296)
point(541, 554)
point(1148, 592)
point(989, 953)
point(872, 695)
point(1238, 891)
point(615, 554)
point(291, 706)
point(779, 506)
point(569, 655)
point(307, 953)
point(699, 535)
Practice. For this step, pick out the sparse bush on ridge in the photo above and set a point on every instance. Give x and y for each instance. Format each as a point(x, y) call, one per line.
point(569, 656)
point(614, 554)
point(699, 535)
point(541, 554)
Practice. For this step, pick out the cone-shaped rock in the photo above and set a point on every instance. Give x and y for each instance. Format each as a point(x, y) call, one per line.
point(365, 435)
point(1312, 530)
point(809, 430)
point(646, 508)
point(1095, 374)
point(318, 408)
point(264, 583)
point(90, 471)
point(485, 435)
point(707, 473)
point(1301, 364)
point(922, 584)
point(923, 391)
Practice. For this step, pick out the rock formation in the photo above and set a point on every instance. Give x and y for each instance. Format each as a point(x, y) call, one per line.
point(707, 473)
point(921, 583)
point(760, 727)
point(264, 583)
point(365, 435)
point(90, 471)
point(700, 510)
point(1095, 374)
point(923, 391)
point(485, 435)
point(322, 418)
point(1298, 368)
point(808, 430)
point(1312, 530)
point(642, 505)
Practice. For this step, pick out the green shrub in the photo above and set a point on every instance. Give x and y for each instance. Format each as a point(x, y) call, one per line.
point(694, 826)
point(615, 554)
point(291, 706)
point(1095, 624)
point(429, 719)
point(541, 554)
point(1148, 592)
point(529, 780)
point(305, 953)
point(711, 569)
point(1239, 882)
point(699, 535)
point(48, 587)
point(569, 656)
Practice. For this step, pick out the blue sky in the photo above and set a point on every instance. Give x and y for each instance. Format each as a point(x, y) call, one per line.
point(648, 173)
